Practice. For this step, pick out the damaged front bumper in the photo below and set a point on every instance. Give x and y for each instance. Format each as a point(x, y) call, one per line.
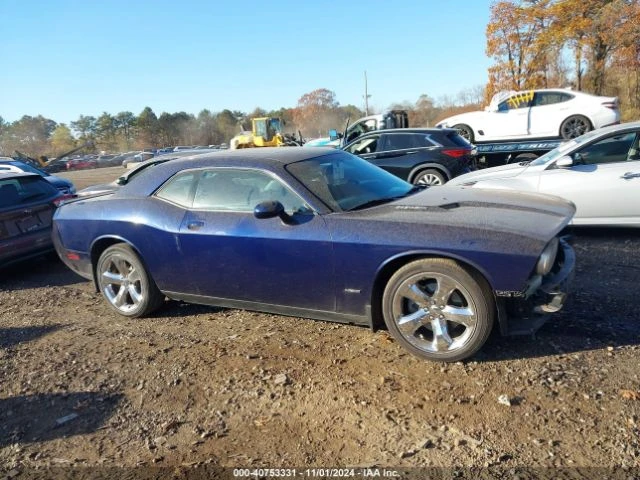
point(542, 297)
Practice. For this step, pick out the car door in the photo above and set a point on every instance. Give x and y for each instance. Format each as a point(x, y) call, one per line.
point(604, 181)
point(231, 254)
point(511, 120)
point(547, 112)
point(398, 153)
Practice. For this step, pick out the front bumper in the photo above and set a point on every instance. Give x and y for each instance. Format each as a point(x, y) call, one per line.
point(554, 290)
point(544, 296)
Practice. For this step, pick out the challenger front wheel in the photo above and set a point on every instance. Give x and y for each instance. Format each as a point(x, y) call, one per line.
point(438, 310)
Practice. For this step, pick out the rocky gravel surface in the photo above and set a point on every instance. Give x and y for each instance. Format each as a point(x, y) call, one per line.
point(193, 385)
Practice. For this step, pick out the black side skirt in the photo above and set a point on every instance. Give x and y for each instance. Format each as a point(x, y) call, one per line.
point(269, 308)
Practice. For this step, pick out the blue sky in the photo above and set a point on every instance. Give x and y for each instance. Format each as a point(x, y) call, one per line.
point(63, 58)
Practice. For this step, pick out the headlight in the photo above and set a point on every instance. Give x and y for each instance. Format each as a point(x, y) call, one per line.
point(547, 258)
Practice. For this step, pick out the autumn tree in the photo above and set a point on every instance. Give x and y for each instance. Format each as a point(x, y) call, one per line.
point(513, 41)
point(316, 112)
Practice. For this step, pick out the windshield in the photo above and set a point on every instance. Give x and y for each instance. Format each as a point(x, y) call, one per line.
point(346, 182)
point(564, 148)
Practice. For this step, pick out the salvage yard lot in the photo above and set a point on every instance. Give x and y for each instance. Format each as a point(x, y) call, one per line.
point(84, 386)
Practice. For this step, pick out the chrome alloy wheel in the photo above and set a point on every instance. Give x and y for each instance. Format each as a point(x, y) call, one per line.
point(430, 179)
point(121, 283)
point(434, 313)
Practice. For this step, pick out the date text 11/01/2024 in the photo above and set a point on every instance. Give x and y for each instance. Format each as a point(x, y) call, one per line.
point(315, 472)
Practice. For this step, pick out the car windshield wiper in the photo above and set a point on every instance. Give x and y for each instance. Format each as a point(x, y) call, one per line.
point(377, 201)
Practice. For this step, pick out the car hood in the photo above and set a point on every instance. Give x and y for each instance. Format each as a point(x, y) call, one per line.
point(503, 171)
point(531, 215)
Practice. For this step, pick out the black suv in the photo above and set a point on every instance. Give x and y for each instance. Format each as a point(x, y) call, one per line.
point(422, 156)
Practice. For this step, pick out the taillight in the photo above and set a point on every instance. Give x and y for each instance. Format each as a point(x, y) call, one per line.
point(456, 152)
point(63, 198)
point(612, 105)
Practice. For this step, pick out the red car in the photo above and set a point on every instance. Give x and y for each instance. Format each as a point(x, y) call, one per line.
point(81, 163)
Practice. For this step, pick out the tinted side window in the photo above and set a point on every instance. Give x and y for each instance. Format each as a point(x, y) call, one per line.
point(609, 150)
point(178, 189)
point(402, 141)
point(457, 140)
point(241, 190)
point(550, 98)
point(364, 145)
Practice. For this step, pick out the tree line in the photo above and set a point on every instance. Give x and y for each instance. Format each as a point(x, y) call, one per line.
point(591, 45)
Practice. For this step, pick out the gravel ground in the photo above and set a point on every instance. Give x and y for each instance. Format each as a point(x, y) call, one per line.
point(82, 386)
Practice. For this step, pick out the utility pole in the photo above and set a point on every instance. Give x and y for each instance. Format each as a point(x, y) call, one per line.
point(366, 95)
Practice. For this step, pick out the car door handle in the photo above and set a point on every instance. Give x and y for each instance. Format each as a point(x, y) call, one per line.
point(629, 175)
point(411, 152)
point(195, 225)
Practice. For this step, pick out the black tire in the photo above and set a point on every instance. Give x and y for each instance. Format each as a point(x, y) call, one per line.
point(574, 126)
point(436, 294)
point(465, 131)
point(524, 157)
point(430, 177)
point(125, 283)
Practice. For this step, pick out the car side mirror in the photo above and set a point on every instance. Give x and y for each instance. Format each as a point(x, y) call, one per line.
point(564, 162)
point(334, 135)
point(269, 209)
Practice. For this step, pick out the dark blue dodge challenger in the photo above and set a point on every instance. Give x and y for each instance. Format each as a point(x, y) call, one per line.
point(323, 234)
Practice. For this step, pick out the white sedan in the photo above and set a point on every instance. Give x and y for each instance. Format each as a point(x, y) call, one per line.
point(536, 114)
point(599, 172)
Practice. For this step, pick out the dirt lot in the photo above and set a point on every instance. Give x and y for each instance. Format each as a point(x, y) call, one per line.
point(82, 386)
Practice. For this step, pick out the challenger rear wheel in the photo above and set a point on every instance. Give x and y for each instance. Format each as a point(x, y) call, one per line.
point(125, 283)
point(438, 310)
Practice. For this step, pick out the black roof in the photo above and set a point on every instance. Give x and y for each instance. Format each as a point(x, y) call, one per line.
point(268, 158)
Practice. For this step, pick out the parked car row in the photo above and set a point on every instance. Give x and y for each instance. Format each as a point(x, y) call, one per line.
point(327, 234)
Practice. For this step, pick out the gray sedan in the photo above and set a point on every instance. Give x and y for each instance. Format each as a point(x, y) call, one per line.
point(599, 172)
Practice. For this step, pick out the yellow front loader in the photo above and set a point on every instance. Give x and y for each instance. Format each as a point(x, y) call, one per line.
point(266, 132)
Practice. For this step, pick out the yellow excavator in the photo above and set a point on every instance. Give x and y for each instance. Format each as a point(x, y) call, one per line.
point(265, 132)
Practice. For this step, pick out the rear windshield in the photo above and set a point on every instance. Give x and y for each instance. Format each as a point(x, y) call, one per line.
point(22, 190)
point(457, 140)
